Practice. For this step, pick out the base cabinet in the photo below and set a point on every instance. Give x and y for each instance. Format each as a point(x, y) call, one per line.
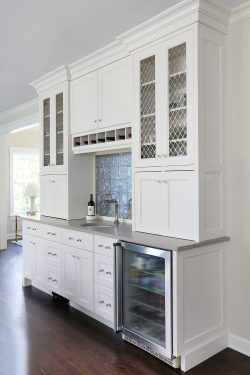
point(28, 250)
point(38, 276)
point(77, 282)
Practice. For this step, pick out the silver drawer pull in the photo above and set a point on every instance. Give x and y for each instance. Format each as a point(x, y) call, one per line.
point(54, 254)
point(34, 229)
point(101, 270)
point(48, 232)
point(28, 228)
point(100, 246)
point(108, 273)
point(53, 234)
point(50, 253)
point(101, 301)
point(107, 247)
point(108, 305)
point(54, 280)
point(73, 256)
point(70, 238)
point(78, 258)
point(49, 278)
point(79, 240)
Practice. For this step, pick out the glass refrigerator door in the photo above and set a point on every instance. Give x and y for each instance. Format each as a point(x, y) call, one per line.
point(144, 291)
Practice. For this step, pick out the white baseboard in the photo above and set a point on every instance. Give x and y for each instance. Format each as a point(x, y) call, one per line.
point(206, 350)
point(11, 236)
point(239, 344)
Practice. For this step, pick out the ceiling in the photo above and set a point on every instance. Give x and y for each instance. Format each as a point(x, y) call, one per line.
point(39, 36)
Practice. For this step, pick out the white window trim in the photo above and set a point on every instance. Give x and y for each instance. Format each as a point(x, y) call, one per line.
point(12, 150)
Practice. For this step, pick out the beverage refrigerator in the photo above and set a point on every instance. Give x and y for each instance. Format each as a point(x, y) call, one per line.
point(143, 298)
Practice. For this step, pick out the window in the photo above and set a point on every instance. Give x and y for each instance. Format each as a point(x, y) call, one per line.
point(24, 168)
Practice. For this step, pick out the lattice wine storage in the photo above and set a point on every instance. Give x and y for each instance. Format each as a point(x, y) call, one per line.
point(177, 101)
point(147, 104)
point(59, 129)
point(46, 132)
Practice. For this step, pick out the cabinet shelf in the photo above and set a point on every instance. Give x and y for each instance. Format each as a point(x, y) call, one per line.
point(160, 292)
point(46, 116)
point(59, 132)
point(149, 83)
point(148, 144)
point(148, 115)
point(177, 109)
point(177, 74)
point(147, 320)
point(59, 112)
point(178, 140)
point(46, 135)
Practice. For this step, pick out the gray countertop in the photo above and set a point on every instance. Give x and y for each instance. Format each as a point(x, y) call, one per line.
point(123, 232)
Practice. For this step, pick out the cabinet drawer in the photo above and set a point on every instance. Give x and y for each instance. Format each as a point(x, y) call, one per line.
point(104, 270)
point(52, 233)
point(53, 279)
point(76, 239)
point(104, 245)
point(35, 229)
point(53, 254)
point(104, 302)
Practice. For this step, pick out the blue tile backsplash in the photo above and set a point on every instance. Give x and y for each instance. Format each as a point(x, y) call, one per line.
point(113, 176)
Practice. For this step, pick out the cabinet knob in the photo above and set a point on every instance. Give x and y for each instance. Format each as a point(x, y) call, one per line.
point(101, 301)
point(95, 120)
point(34, 229)
point(48, 232)
point(73, 256)
point(70, 238)
point(99, 119)
point(101, 270)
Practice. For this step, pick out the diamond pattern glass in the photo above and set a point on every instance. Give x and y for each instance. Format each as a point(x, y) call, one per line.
point(177, 101)
point(46, 132)
point(59, 129)
point(147, 104)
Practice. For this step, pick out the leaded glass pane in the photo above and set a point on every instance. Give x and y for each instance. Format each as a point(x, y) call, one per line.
point(59, 129)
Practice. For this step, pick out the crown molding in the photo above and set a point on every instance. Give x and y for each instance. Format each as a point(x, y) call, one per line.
point(22, 122)
point(19, 111)
point(209, 12)
point(51, 79)
point(104, 56)
point(240, 13)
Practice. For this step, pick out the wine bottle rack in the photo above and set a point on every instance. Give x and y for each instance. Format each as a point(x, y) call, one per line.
point(109, 139)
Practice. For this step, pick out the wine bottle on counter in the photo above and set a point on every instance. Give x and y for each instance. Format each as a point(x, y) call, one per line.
point(91, 206)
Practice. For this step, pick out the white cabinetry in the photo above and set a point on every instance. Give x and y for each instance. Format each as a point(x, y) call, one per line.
point(54, 195)
point(38, 276)
point(166, 203)
point(178, 118)
point(84, 103)
point(102, 98)
point(28, 249)
point(64, 187)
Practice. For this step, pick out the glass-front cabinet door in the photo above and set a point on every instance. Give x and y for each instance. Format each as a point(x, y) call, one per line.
point(163, 104)
point(53, 115)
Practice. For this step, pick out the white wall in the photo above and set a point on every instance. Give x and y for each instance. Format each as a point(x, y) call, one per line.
point(238, 177)
point(27, 138)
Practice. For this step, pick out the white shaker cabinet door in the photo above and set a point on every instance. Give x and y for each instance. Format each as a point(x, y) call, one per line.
point(54, 196)
point(69, 273)
point(115, 93)
point(28, 250)
point(84, 279)
point(84, 103)
point(165, 203)
point(38, 262)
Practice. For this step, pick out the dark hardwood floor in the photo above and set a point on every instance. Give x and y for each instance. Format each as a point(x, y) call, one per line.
point(39, 335)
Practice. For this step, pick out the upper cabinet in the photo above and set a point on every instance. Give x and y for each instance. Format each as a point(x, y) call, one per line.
point(163, 77)
point(53, 120)
point(103, 98)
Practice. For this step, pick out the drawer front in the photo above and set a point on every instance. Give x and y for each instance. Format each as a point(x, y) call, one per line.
point(53, 253)
point(104, 270)
point(104, 302)
point(53, 233)
point(76, 239)
point(34, 229)
point(53, 279)
point(104, 245)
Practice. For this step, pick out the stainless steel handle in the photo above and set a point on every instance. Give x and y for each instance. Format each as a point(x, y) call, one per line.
point(50, 253)
point(33, 228)
point(70, 238)
point(100, 245)
point(48, 232)
point(108, 305)
point(54, 280)
point(54, 255)
point(79, 240)
point(118, 287)
point(102, 270)
point(101, 301)
point(107, 247)
point(53, 234)
point(78, 258)
point(73, 256)
point(109, 273)
point(49, 278)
